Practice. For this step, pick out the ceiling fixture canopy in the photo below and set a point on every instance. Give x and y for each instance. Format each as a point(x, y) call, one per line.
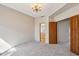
point(36, 7)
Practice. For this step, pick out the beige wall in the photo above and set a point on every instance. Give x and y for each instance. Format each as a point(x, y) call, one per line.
point(15, 27)
point(38, 21)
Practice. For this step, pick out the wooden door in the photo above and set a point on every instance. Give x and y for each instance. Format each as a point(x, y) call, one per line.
point(52, 32)
point(74, 34)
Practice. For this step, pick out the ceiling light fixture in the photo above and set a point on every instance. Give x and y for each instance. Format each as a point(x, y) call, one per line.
point(36, 7)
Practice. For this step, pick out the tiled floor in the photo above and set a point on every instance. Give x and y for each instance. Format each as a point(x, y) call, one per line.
point(40, 49)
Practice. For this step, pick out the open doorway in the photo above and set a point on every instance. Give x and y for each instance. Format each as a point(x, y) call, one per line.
point(42, 32)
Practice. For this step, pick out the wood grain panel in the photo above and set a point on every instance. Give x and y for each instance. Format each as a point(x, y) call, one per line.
point(52, 32)
point(77, 41)
point(74, 34)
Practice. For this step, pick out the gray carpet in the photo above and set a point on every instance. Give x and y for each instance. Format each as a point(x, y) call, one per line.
point(41, 49)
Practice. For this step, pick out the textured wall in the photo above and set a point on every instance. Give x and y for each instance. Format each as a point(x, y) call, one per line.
point(15, 27)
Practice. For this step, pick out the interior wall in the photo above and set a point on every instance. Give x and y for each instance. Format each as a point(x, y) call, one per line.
point(15, 27)
point(63, 29)
point(38, 21)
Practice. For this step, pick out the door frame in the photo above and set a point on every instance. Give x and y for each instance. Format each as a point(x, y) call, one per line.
point(40, 31)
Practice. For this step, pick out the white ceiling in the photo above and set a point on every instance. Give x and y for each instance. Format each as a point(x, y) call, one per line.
point(47, 8)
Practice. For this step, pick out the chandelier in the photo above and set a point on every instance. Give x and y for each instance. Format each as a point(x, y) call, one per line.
point(36, 7)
